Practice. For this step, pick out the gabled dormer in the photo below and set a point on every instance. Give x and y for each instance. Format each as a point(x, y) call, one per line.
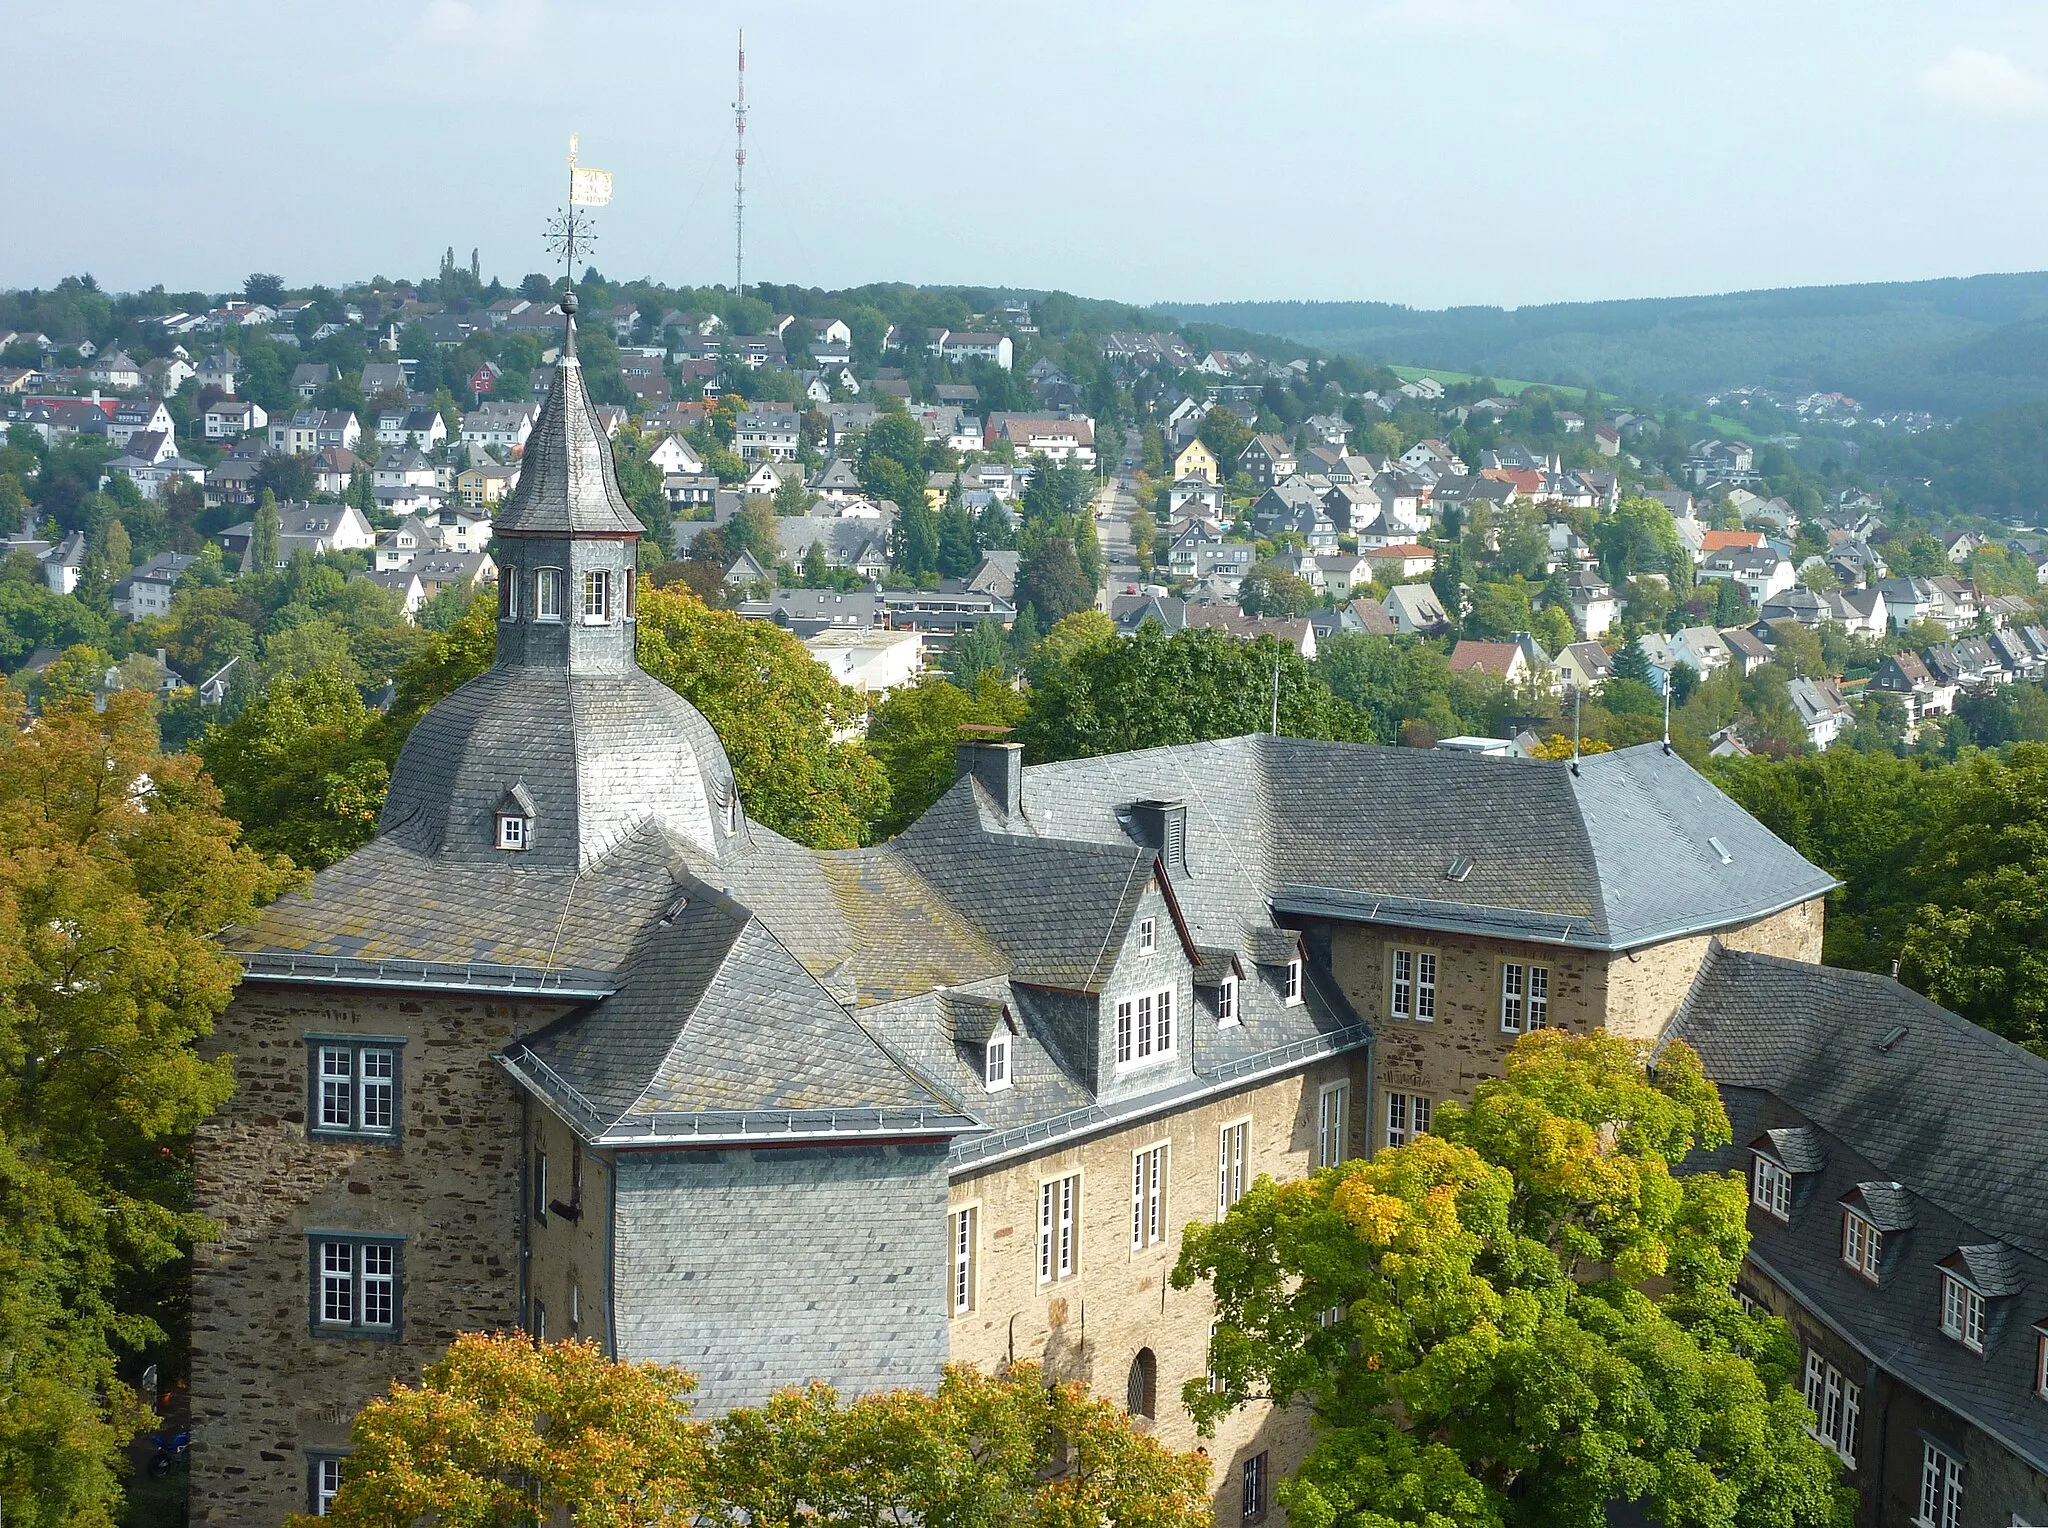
point(1876, 1218)
point(514, 820)
point(1783, 1166)
point(986, 1032)
point(1977, 1286)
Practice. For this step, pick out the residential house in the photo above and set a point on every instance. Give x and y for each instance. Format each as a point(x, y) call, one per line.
point(501, 428)
point(1759, 572)
point(1745, 647)
point(438, 570)
point(767, 435)
point(309, 431)
point(313, 528)
point(115, 369)
point(1700, 647)
point(1904, 676)
point(1582, 667)
point(960, 348)
point(1505, 661)
point(1821, 710)
point(1058, 439)
point(1416, 610)
point(379, 378)
point(232, 418)
point(147, 590)
point(1196, 460)
point(1267, 460)
point(676, 455)
point(1399, 561)
point(308, 377)
point(1129, 612)
point(1594, 605)
point(1295, 632)
point(869, 660)
point(482, 486)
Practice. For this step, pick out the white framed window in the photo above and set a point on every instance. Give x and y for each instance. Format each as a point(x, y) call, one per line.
point(355, 1285)
point(1411, 990)
point(1290, 983)
point(995, 1061)
point(1148, 936)
point(508, 594)
point(1941, 1488)
point(355, 1087)
point(1333, 1119)
point(1213, 1375)
point(1231, 1142)
point(512, 832)
point(1524, 997)
point(1770, 1188)
point(597, 596)
point(1148, 1197)
point(1836, 1402)
point(1059, 1208)
point(540, 1184)
point(966, 1225)
point(323, 1483)
point(1226, 1002)
point(575, 1311)
point(1862, 1244)
point(1407, 1117)
point(1145, 1027)
point(547, 594)
point(1962, 1313)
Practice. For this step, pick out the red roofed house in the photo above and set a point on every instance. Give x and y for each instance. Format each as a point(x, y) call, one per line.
point(1720, 541)
point(1503, 660)
point(1406, 559)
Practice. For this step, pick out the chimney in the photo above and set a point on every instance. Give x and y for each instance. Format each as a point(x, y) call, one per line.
point(1164, 825)
point(1000, 769)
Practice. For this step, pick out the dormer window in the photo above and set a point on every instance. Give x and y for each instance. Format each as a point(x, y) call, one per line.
point(1290, 983)
point(1962, 1312)
point(1148, 935)
point(597, 597)
point(1770, 1188)
point(515, 820)
point(995, 1061)
point(547, 594)
point(1862, 1244)
point(1226, 1003)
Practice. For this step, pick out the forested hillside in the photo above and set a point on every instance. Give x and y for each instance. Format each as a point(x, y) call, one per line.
point(1956, 346)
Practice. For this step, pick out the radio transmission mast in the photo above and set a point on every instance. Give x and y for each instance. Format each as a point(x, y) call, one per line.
point(739, 178)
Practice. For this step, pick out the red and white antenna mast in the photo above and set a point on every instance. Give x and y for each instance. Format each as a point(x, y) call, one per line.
point(739, 180)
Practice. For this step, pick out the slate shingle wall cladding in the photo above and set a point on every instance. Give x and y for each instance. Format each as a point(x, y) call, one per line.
point(1091, 1326)
point(708, 1274)
point(263, 1388)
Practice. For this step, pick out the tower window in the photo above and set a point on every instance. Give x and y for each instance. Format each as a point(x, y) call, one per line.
point(508, 594)
point(547, 594)
point(597, 596)
point(632, 594)
point(515, 820)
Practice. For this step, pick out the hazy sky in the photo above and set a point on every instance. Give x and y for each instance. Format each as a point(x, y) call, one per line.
point(1421, 151)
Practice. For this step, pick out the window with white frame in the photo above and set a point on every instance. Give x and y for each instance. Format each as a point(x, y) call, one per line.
point(1412, 986)
point(1148, 935)
point(1290, 982)
point(1144, 1027)
point(1059, 1209)
point(355, 1086)
point(512, 832)
point(1407, 1117)
point(1333, 1119)
point(575, 1311)
point(1230, 1161)
point(966, 1223)
point(323, 1482)
point(355, 1285)
point(1770, 1188)
point(1148, 1197)
point(1837, 1406)
point(1941, 1488)
point(1862, 1244)
point(540, 1183)
point(508, 594)
point(1524, 997)
point(995, 1060)
point(1962, 1312)
point(1226, 1002)
point(547, 594)
point(597, 596)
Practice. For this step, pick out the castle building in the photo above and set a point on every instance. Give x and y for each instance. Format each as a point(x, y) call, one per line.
point(575, 1046)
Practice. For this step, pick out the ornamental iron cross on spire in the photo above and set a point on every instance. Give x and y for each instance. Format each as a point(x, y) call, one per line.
point(570, 230)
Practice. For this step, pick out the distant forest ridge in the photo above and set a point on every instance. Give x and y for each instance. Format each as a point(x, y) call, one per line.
point(1956, 346)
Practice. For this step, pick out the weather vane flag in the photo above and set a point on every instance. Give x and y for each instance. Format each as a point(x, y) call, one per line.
point(570, 230)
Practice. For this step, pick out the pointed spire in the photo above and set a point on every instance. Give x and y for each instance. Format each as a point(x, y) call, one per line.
point(567, 483)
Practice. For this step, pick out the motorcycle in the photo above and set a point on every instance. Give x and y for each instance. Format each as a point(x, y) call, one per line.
point(173, 1451)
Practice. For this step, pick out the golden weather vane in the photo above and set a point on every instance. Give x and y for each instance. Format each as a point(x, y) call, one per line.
point(570, 230)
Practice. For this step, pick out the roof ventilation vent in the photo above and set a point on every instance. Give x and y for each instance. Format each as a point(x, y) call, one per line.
point(1458, 868)
point(1884, 1046)
point(1721, 849)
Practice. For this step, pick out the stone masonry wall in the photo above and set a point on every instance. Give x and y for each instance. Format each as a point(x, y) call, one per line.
point(1092, 1325)
point(566, 1268)
point(264, 1389)
point(1634, 994)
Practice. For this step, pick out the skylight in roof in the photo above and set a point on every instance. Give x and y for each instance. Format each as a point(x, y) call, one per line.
point(1721, 849)
point(1458, 868)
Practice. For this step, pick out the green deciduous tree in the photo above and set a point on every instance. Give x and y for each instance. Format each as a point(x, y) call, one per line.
point(1467, 1315)
point(116, 869)
point(1053, 582)
point(300, 768)
point(914, 731)
point(1151, 690)
point(265, 547)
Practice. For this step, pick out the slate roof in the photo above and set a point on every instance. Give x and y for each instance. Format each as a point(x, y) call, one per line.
point(566, 478)
point(1937, 1131)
